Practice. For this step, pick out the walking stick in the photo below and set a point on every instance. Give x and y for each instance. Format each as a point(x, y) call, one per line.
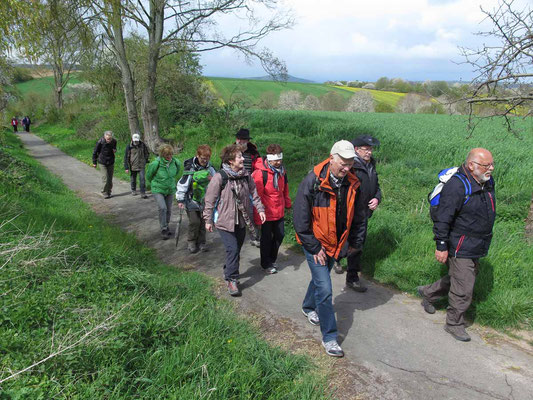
point(178, 227)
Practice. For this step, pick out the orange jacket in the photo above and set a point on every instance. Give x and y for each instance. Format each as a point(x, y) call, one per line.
point(315, 215)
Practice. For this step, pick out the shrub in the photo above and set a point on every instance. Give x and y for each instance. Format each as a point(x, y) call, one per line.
point(311, 103)
point(21, 75)
point(332, 101)
point(411, 103)
point(361, 102)
point(383, 107)
point(290, 100)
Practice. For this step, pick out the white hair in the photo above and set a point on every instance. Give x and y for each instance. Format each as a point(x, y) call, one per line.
point(108, 133)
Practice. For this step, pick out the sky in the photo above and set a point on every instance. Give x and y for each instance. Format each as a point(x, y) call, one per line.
point(364, 40)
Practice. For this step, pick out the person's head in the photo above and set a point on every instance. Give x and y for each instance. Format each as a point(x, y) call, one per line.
point(342, 156)
point(135, 138)
point(203, 154)
point(243, 136)
point(480, 164)
point(364, 146)
point(274, 155)
point(108, 136)
point(166, 151)
point(232, 155)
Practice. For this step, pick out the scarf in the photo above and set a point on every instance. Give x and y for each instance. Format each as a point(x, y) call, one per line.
point(277, 173)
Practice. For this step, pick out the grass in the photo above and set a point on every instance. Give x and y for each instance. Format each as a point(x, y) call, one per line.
point(43, 86)
point(108, 319)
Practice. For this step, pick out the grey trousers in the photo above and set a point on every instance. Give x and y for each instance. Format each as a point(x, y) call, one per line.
point(164, 203)
point(458, 284)
point(196, 232)
point(107, 177)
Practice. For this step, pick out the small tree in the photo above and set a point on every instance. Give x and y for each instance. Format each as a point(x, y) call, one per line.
point(290, 100)
point(361, 101)
point(311, 103)
point(411, 103)
point(332, 101)
point(382, 83)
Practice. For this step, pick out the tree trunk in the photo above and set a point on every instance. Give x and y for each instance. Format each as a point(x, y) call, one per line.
point(58, 83)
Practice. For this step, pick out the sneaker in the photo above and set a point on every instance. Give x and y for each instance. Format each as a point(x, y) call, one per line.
point(338, 268)
point(134, 193)
point(458, 332)
point(358, 286)
point(428, 307)
point(170, 233)
point(233, 289)
point(192, 248)
point(164, 234)
point(107, 196)
point(270, 270)
point(312, 317)
point(255, 242)
point(333, 349)
point(203, 247)
point(144, 196)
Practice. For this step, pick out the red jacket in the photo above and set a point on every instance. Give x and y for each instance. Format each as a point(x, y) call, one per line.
point(275, 201)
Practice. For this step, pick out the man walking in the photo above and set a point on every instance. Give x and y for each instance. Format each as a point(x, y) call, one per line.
point(252, 159)
point(463, 231)
point(364, 168)
point(104, 153)
point(327, 217)
point(135, 160)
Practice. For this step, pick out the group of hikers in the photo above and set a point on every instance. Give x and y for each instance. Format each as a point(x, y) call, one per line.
point(333, 205)
point(25, 122)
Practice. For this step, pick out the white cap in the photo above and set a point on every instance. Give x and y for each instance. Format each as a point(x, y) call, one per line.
point(343, 148)
point(136, 137)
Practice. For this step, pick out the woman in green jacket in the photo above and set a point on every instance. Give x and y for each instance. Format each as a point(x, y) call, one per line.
point(163, 173)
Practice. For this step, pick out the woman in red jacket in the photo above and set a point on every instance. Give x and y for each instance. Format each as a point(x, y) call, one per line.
point(273, 189)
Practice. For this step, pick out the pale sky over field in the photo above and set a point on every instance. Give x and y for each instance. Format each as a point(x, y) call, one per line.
point(364, 40)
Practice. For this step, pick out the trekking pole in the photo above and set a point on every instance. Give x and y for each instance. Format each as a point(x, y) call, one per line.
point(178, 227)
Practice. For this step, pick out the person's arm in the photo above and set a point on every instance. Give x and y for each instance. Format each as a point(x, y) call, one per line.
point(303, 215)
point(257, 176)
point(114, 146)
point(96, 152)
point(152, 169)
point(183, 186)
point(288, 202)
point(450, 203)
point(212, 193)
point(356, 236)
point(146, 154)
point(258, 204)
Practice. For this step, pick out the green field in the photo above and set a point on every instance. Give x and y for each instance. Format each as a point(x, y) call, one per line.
point(391, 98)
point(252, 89)
point(42, 86)
point(93, 314)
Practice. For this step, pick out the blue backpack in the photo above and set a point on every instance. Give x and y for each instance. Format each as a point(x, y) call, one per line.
point(444, 176)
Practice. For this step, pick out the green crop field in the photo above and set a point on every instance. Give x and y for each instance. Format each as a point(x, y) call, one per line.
point(391, 98)
point(43, 85)
point(252, 89)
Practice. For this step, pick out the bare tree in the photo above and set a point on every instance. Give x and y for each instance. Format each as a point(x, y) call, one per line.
point(361, 101)
point(504, 70)
point(173, 26)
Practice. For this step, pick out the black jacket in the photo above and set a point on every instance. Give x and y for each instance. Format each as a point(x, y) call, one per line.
point(104, 153)
point(465, 230)
point(368, 176)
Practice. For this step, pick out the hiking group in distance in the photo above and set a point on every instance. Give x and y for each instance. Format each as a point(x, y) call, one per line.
point(331, 212)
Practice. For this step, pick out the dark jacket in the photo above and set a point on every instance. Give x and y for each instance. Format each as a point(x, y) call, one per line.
point(104, 153)
point(252, 159)
point(327, 216)
point(184, 186)
point(136, 156)
point(465, 230)
point(368, 176)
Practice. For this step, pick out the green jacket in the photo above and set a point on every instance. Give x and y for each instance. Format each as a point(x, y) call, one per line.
point(163, 175)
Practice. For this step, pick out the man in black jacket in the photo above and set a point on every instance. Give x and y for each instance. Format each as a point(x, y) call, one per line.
point(463, 232)
point(104, 153)
point(364, 168)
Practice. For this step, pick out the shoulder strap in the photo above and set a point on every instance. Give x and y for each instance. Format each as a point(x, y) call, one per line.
point(224, 176)
point(265, 177)
point(466, 184)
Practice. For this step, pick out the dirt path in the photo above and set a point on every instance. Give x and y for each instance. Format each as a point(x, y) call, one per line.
point(393, 349)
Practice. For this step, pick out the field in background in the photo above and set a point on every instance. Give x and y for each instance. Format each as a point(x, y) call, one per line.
point(43, 86)
point(391, 98)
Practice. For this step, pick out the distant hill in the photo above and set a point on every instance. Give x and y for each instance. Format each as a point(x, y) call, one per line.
point(290, 78)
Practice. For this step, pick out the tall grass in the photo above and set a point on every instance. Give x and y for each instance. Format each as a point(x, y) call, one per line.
point(88, 312)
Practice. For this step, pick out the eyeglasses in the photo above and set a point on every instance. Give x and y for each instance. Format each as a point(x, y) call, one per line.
point(486, 166)
point(366, 149)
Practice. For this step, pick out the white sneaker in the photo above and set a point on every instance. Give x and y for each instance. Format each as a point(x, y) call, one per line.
point(312, 317)
point(333, 349)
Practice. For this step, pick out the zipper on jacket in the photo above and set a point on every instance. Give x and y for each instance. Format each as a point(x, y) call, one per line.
point(491, 201)
point(461, 239)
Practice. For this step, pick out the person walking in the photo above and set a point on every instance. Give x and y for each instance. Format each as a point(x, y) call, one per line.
point(190, 195)
point(364, 168)
point(135, 160)
point(26, 121)
point(252, 158)
point(104, 153)
point(228, 207)
point(328, 217)
point(163, 173)
point(273, 189)
point(463, 232)
point(14, 124)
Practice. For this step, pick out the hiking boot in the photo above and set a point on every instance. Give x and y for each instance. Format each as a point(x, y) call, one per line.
point(107, 196)
point(144, 196)
point(255, 242)
point(458, 332)
point(428, 307)
point(191, 246)
point(233, 289)
point(134, 193)
point(203, 247)
point(338, 268)
point(170, 233)
point(270, 270)
point(164, 234)
point(358, 286)
point(333, 349)
point(312, 317)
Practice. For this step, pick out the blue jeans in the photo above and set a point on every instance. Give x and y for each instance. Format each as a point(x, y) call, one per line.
point(319, 296)
point(133, 180)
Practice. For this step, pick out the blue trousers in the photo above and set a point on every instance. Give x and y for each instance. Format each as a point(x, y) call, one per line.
point(319, 296)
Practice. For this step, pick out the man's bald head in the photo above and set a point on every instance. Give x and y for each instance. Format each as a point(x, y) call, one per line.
point(480, 164)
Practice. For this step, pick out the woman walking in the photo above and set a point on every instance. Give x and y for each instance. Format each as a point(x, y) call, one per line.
point(273, 189)
point(229, 208)
point(163, 173)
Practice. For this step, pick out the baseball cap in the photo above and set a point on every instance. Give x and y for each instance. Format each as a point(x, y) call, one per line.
point(365, 140)
point(136, 137)
point(343, 148)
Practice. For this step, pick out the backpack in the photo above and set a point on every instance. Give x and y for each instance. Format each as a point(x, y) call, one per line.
point(444, 176)
point(200, 180)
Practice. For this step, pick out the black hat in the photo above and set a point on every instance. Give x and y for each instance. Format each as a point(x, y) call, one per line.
point(243, 133)
point(365, 140)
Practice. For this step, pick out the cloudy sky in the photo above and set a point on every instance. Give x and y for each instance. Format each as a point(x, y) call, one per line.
point(364, 40)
